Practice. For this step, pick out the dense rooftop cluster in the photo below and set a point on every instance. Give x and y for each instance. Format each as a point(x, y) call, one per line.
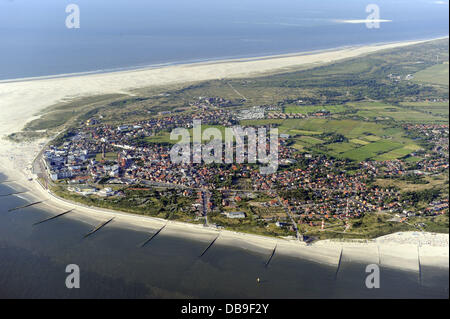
point(311, 186)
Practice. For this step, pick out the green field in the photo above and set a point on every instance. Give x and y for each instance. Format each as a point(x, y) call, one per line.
point(402, 113)
point(164, 137)
point(381, 150)
point(371, 150)
point(371, 138)
point(413, 159)
point(366, 140)
point(349, 128)
point(299, 109)
point(110, 156)
point(358, 141)
point(303, 132)
point(397, 153)
point(309, 140)
point(261, 122)
point(436, 74)
point(338, 148)
point(435, 108)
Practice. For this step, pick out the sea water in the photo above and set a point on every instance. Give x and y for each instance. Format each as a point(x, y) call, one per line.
point(113, 264)
point(124, 34)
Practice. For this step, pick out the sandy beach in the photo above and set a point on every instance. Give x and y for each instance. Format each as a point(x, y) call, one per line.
point(20, 101)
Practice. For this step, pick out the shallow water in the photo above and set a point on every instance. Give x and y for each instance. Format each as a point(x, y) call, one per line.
point(113, 265)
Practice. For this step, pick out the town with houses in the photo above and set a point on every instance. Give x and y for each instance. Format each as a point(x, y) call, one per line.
point(308, 193)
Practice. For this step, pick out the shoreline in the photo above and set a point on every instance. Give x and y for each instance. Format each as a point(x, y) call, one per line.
point(23, 99)
point(209, 61)
point(405, 251)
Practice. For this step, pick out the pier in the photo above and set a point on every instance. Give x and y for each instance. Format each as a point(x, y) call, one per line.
point(96, 229)
point(153, 236)
point(25, 206)
point(53, 217)
point(209, 246)
point(271, 256)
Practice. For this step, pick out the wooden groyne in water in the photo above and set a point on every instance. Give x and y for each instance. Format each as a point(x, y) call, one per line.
point(379, 255)
point(209, 246)
point(53, 217)
point(420, 265)
point(271, 256)
point(11, 194)
point(153, 236)
point(339, 264)
point(96, 229)
point(25, 206)
point(4, 182)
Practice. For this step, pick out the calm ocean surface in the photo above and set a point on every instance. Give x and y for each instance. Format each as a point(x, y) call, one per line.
point(134, 33)
point(33, 261)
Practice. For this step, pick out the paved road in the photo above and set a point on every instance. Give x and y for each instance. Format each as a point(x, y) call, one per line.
point(289, 213)
point(205, 200)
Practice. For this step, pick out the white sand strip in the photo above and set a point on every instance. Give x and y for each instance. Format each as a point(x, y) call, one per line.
point(403, 256)
point(367, 253)
point(20, 100)
point(434, 257)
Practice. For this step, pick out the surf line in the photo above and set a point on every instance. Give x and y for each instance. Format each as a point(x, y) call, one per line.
point(96, 229)
point(271, 256)
point(53, 217)
point(25, 206)
point(209, 246)
point(153, 236)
